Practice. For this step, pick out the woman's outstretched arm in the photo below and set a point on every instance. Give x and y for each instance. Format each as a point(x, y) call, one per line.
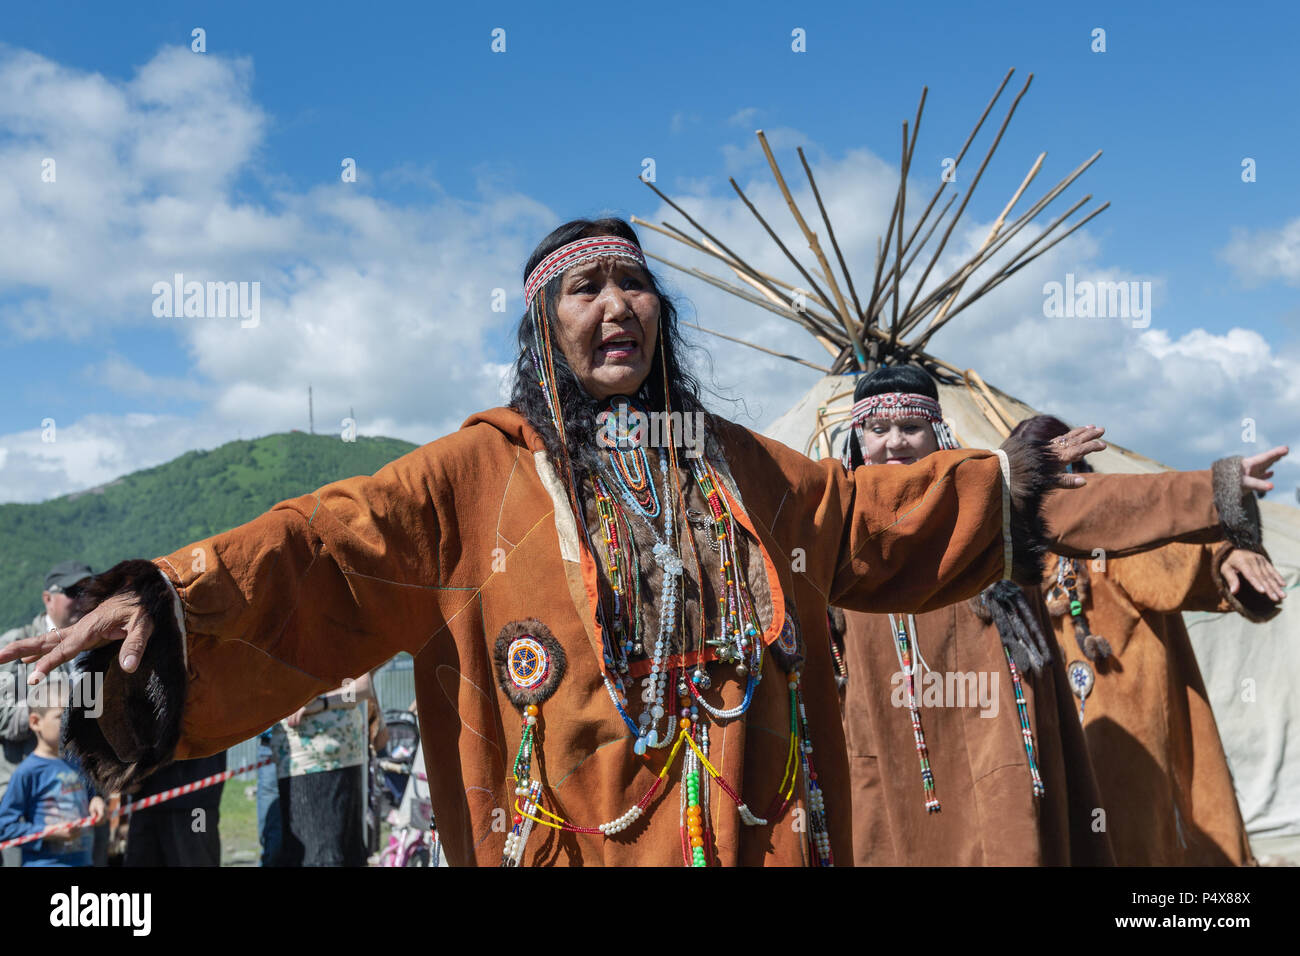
point(209, 645)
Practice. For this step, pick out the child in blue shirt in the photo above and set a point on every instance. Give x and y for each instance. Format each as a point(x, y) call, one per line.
point(44, 790)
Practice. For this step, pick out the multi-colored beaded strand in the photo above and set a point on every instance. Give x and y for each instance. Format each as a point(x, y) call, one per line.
point(904, 649)
point(841, 669)
point(785, 793)
point(530, 792)
point(693, 836)
point(631, 470)
point(1025, 730)
point(818, 828)
point(799, 758)
point(624, 575)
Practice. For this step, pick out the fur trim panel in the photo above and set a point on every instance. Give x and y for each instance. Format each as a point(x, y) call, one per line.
point(140, 726)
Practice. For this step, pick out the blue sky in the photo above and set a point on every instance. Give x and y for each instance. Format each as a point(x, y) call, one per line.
point(377, 291)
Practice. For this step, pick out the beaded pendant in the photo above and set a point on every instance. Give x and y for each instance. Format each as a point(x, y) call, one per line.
point(530, 662)
point(1082, 679)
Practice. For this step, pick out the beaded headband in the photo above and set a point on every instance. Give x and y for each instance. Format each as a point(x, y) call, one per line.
point(898, 405)
point(575, 253)
point(894, 405)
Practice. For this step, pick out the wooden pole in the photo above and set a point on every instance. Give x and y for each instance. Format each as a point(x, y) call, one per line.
point(943, 184)
point(830, 231)
point(967, 269)
point(898, 254)
point(969, 192)
point(732, 338)
point(814, 323)
point(841, 306)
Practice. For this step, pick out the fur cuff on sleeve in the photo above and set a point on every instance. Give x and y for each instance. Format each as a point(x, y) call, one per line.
point(1238, 508)
point(140, 725)
point(1247, 602)
point(1033, 474)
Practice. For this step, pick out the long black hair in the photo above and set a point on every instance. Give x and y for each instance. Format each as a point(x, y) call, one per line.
point(578, 406)
point(1043, 428)
point(890, 378)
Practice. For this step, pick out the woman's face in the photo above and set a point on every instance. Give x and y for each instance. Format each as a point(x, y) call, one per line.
point(608, 322)
point(899, 441)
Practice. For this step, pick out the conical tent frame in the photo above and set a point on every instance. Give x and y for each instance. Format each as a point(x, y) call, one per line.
point(884, 330)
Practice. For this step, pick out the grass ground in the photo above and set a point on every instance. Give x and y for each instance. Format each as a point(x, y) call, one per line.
point(239, 838)
point(239, 846)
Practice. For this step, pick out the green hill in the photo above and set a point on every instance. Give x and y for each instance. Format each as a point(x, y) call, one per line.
point(156, 511)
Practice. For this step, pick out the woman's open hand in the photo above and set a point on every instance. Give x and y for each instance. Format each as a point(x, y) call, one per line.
point(1256, 469)
point(117, 618)
point(1072, 447)
point(1258, 572)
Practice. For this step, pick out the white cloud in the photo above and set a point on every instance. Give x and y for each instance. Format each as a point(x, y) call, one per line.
point(126, 378)
point(1179, 398)
point(95, 450)
point(680, 120)
point(383, 309)
point(1265, 254)
point(745, 116)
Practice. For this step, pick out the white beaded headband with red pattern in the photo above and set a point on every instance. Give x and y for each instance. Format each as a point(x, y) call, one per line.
point(898, 405)
point(894, 405)
point(576, 253)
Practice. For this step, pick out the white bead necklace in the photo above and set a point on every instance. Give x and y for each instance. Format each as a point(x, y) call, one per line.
point(670, 562)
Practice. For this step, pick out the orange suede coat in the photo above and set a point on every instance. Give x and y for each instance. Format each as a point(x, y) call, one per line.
point(441, 549)
point(1164, 778)
point(989, 814)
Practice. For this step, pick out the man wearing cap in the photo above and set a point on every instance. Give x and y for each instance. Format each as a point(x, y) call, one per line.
point(62, 585)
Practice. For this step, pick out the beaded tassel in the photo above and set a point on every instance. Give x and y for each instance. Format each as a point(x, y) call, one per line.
point(517, 838)
point(818, 827)
point(738, 633)
point(528, 793)
point(922, 752)
point(693, 824)
point(785, 793)
point(1025, 730)
point(624, 576)
point(841, 671)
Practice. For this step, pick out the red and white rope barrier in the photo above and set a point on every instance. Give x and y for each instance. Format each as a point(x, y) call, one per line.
point(144, 804)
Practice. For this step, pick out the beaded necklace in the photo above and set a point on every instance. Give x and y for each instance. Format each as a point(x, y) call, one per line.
point(666, 557)
point(628, 477)
point(694, 822)
point(624, 576)
point(631, 468)
point(737, 621)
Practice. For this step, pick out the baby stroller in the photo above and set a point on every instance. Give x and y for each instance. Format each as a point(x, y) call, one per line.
point(413, 841)
point(393, 766)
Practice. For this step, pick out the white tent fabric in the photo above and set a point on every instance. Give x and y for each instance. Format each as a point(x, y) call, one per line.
point(1250, 670)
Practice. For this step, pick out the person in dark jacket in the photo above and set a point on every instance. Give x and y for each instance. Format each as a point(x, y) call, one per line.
point(182, 831)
